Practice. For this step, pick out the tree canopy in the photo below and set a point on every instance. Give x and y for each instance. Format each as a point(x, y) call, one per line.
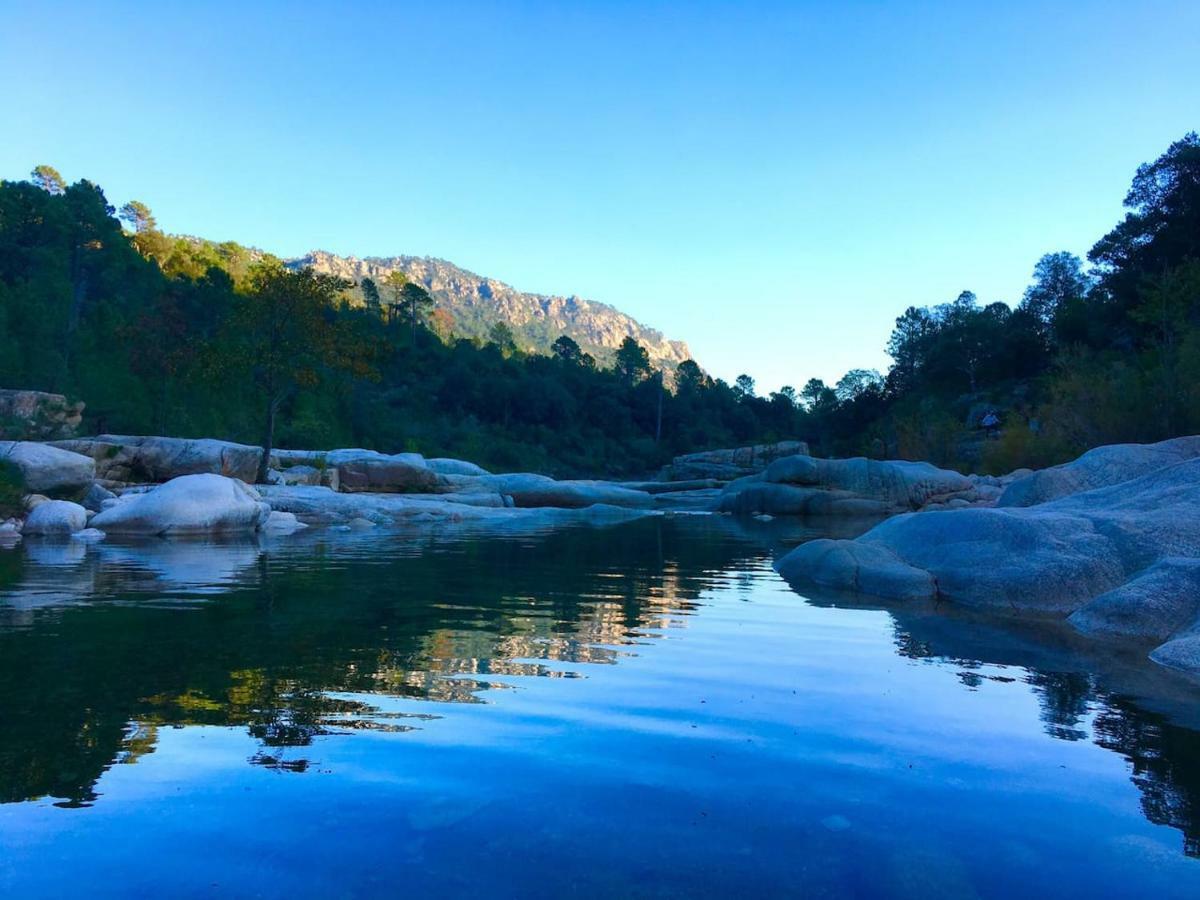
point(167, 334)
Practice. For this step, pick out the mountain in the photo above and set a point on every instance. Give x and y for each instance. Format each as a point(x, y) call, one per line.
point(476, 304)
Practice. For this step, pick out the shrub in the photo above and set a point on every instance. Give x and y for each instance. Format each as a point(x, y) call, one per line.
point(12, 490)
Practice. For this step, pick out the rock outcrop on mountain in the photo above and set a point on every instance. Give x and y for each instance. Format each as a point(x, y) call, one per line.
point(476, 303)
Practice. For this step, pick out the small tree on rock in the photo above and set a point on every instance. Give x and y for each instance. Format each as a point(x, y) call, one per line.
point(284, 334)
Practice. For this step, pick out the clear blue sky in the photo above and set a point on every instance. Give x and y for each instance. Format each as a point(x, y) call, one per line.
point(773, 183)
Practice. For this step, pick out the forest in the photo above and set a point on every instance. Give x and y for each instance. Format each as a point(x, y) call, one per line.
point(161, 334)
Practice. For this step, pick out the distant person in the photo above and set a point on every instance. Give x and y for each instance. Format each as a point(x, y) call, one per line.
point(991, 423)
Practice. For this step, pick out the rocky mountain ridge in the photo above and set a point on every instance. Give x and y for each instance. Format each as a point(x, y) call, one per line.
point(476, 303)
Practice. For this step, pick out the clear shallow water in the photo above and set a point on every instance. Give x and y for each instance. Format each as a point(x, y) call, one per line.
point(639, 710)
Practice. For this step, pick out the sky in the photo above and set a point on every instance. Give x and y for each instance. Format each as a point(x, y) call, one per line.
point(771, 182)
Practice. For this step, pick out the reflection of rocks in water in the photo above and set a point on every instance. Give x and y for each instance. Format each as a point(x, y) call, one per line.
point(314, 635)
point(199, 566)
point(69, 572)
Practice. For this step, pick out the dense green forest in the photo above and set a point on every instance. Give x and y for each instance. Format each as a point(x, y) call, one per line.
point(170, 335)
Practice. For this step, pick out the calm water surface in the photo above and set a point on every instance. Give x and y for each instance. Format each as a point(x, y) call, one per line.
point(638, 710)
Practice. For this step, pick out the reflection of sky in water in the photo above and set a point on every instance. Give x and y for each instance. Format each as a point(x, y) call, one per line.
point(643, 709)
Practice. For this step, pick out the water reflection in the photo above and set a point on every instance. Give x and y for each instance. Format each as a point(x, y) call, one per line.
point(327, 633)
point(94, 655)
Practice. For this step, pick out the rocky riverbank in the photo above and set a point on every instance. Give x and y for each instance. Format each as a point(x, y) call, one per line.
point(1110, 541)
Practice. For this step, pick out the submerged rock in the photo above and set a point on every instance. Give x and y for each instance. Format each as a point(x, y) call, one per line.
point(282, 522)
point(191, 504)
point(56, 517)
point(46, 468)
point(1121, 560)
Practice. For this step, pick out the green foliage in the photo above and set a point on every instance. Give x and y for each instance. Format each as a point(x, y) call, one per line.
point(633, 362)
point(48, 179)
point(164, 334)
point(139, 217)
point(12, 490)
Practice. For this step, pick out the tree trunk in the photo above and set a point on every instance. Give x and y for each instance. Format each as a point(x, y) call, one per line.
point(268, 441)
point(658, 417)
point(79, 286)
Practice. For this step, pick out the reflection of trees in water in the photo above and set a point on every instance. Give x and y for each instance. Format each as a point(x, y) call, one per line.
point(1065, 699)
point(1164, 758)
point(273, 652)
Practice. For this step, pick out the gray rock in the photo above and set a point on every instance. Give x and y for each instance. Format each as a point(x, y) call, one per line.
point(1157, 603)
point(190, 504)
point(47, 468)
point(322, 505)
point(96, 496)
point(530, 490)
point(133, 458)
point(455, 467)
point(386, 474)
point(805, 485)
point(1181, 653)
point(1122, 558)
point(1097, 468)
point(282, 523)
point(56, 517)
point(302, 474)
point(728, 464)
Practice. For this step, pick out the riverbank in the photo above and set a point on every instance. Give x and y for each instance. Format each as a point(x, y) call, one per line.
point(1109, 542)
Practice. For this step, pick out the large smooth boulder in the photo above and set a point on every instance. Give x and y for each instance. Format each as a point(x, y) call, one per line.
point(805, 485)
point(56, 517)
point(190, 504)
point(1098, 468)
point(1122, 559)
point(135, 458)
point(528, 490)
point(48, 469)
